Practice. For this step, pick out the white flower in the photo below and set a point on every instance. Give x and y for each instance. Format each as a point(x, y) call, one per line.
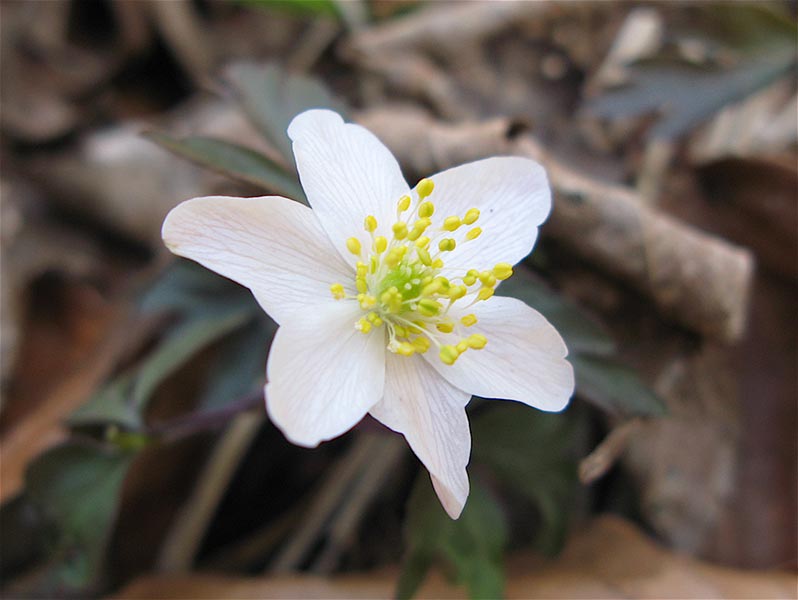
point(384, 295)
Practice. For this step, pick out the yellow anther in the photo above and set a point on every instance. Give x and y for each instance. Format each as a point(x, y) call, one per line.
point(469, 320)
point(404, 203)
point(361, 285)
point(366, 301)
point(472, 214)
point(485, 293)
point(477, 341)
point(424, 256)
point(451, 223)
point(461, 346)
point(457, 291)
point(353, 245)
point(423, 222)
point(487, 278)
point(421, 344)
point(374, 319)
point(471, 277)
point(444, 283)
point(503, 271)
point(424, 188)
point(422, 242)
point(363, 325)
point(445, 327)
point(394, 256)
point(380, 244)
point(414, 234)
point(437, 263)
point(337, 291)
point(405, 349)
point(400, 331)
point(370, 223)
point(426, 209)
point(419, 326)
point(447, 245)
point(449, 354)
point(429, 307)
point(473, 233)
point(399, 230)
point(361, 269)
point(431, 288)
point(374, 264)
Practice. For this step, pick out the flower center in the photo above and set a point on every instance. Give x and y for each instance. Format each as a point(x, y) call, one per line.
point(400, 286)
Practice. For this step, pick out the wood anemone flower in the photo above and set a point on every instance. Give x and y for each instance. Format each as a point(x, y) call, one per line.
point(384, 294)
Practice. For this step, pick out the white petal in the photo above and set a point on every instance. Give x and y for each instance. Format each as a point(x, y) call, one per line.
point(347, 174)
point(430, 413)
point(524, 359)
point(323, 375)
point(272, 245)
point(513, 197)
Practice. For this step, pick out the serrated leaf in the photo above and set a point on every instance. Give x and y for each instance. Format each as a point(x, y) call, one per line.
point(471, 547)
point(271, 98)
point(76, 486)
point(237, 162)
point(580, 332)
point(530, 451)
point(615, 387)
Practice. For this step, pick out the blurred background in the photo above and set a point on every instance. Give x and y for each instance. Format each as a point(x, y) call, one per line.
point(137, 460)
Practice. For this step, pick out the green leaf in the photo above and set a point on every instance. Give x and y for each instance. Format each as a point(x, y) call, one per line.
point(531, 452)
point(187, 288)
point(580, 332)
point(238, 162)
point(615, 387)
point(271, 98)
point(179, 346)
point(110, 405)
point(314, 8)
point(76, 486)
point(471, 547)
point(685, 95)
point(241, 366)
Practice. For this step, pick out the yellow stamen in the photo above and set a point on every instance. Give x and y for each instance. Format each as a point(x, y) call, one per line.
point(337, 291)
point(399, 230)
point(485, 293)
point(503, 271)
point(447, 245)
point(370, 223)
point(380, 244)
point(477, 341)
point(449, 354)
point(421, 344)
point(451, 223)
point(353, 245)
point(469, 320)
point(472, 214)
point(404, 203)
point(474, 233)
point(429, 307)
point(426, 209)
point(445, 327)
point(425, 187)
point(405, 349)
